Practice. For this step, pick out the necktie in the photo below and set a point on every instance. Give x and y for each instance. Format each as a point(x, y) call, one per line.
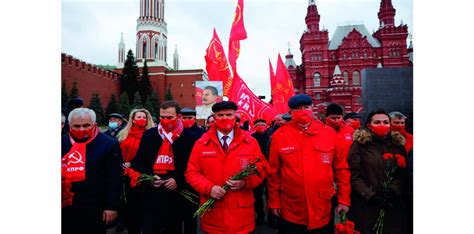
point(225, 146)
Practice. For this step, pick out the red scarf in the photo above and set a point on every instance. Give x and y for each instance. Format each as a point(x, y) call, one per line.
point(73, 168)
point(164, 161)
point(130, 145)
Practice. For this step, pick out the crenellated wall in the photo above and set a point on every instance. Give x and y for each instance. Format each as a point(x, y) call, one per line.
point(89, 79)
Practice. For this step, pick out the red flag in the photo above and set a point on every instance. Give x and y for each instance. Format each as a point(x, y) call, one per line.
point(249, 105)
point(216, 63)
point(237, 33)
point(272, 77)
point(282, 89)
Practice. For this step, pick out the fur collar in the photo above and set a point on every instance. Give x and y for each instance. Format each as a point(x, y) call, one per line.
point(364, 136)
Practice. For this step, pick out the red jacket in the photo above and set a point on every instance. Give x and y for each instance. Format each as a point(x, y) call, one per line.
point(408, 141)
point(344, 138)
point(304, 166)
point(209, 166)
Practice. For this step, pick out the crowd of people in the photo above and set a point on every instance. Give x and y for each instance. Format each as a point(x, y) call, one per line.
point(310, 171)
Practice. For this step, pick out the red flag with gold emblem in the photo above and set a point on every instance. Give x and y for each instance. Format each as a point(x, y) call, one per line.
point(237, 33)
point(282, 88)
point(216, 63)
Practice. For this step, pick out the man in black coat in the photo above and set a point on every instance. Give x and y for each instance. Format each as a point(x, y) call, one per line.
point(116, 124)
point(91, 175)
point(164, 152)
point(188, 116)
point(263, 137)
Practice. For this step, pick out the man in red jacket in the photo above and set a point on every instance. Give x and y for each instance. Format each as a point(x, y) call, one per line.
point(219, 154)
point(344, 132)
point(397, 123)
point(305, 161)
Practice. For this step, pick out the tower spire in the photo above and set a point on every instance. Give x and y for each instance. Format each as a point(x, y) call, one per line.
point(121, 52)
point(386, 13)
point(312, 16)
point(176, 58)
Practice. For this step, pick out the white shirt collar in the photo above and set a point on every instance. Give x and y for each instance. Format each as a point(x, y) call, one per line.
point(229, 139)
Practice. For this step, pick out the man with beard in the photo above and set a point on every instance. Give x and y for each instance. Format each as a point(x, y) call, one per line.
point(188, 116)
point(219, 154)
point(209, 97)
point(164, 152)
point(305, 162)
point(89, 203)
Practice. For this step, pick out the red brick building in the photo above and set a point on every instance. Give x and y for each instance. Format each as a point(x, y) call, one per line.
point(151, 45)
point(331, 69)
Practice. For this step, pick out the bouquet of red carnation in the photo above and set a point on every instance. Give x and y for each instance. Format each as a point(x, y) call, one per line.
point(345, 226)
point(136, 177)
point(392, 162)
point(250, 169)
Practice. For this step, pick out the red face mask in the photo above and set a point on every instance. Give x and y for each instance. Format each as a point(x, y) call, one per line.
point(82, 134)
point(168, 124)
point(334, 123)
point(141, 123)
point(302, 116)
point(260, 129)
point(355, 124)
point(225, 125)
point(380, 130)
point(187, 123)
point(398, 128)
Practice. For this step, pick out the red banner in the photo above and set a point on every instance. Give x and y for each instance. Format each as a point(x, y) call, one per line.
point(237, 33)
point(216, 64)
point(272, 77)
point(282, 88)
point(249, 105)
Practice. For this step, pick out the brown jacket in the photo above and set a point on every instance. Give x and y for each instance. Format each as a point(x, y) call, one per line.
point(367, 175)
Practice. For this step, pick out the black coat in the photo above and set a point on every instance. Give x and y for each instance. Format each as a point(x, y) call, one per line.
point(263, 142)
point(162, 200)
point(198, 131)
point(103, 185)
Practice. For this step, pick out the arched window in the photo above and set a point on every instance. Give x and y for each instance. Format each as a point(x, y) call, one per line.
point(144, 49)
point(346, 77)
point(156, 49)
point(318, 96)
point(317, 79)
point(356, 78)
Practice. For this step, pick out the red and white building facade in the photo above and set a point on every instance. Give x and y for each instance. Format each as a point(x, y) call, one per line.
point(331, 69)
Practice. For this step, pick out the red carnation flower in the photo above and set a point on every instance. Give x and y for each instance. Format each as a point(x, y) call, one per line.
point(401, 162)
point(387, 156)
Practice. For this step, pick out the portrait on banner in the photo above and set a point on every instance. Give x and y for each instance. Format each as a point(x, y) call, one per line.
point(207, 94)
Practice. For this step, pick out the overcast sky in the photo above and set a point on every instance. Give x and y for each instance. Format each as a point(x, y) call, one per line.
point(90, 29)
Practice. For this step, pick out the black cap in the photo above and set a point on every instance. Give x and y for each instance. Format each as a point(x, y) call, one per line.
point(116, 115)
point(352, 115)
point(74, 103)
point(188, 111)
point(286, 117)
point(299, 100)
point(224, 105)
point(334, 109)
point(259, 121)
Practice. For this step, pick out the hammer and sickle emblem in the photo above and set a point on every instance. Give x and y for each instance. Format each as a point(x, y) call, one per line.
point(73, 159)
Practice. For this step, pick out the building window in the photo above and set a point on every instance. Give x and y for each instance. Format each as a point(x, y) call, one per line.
point(156, 49)
point(318, 96)
point(346, 77)
point(359, 100)
point(144, 49)
point(365, 54)
point(333, 56)
point(317, 79)
point(356, 78)
point(181, 85)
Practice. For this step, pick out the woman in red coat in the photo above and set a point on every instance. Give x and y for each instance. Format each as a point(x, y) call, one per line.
point(129, 138)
